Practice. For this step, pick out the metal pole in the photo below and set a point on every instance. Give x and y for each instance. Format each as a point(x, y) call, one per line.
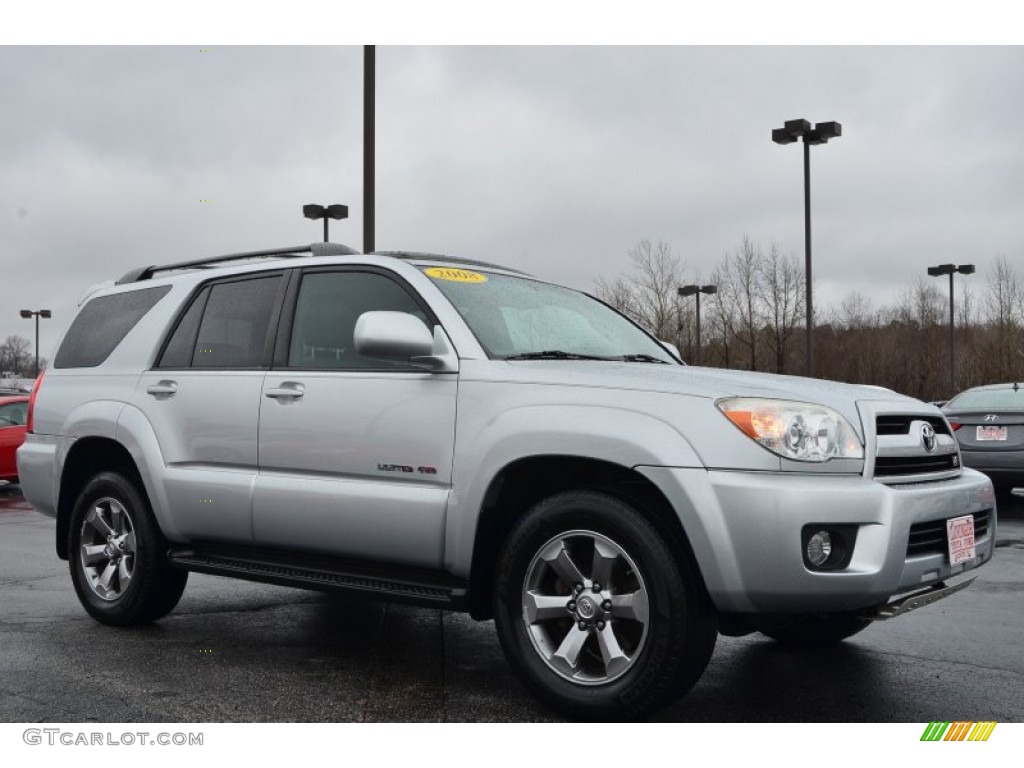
point(807, 256)
point(37, 345)
point(697, 294)
point(369, 106)
point(325, 228)
point(952, 364)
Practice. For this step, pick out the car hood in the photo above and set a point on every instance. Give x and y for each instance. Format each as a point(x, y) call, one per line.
point(712, 383)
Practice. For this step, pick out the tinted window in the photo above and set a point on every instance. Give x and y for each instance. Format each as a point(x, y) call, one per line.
point(233, 331)
point(179, 350)
point(102, 324)
point(325, 318)
point(13, 414)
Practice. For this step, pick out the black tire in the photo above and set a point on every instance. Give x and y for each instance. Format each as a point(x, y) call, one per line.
point(816, 630)
point(147, 587)
point(669, 652)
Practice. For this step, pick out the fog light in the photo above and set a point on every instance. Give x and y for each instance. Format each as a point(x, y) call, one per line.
point(819, 547)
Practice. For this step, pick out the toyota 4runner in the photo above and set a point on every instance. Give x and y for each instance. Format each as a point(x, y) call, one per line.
point(461, 435)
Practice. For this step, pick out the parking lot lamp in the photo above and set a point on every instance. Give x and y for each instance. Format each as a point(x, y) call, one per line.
point(314, 211)
point(28, 313)
point(790, 131)
point(696, 291)
point(951, 269)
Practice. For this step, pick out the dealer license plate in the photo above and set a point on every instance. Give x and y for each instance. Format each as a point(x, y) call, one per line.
point(991, 433)
point(960, 532)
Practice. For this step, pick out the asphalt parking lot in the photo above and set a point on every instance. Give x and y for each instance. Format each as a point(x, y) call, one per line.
point(236, 651)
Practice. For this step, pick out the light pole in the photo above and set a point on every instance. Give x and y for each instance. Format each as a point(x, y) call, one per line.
point(27, 313)
point(696, 291)
point(314, 211)
point(369, 130)
point(951, 269)
point(790, 131)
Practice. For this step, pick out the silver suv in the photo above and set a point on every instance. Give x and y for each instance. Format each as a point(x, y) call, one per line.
point(465, 436)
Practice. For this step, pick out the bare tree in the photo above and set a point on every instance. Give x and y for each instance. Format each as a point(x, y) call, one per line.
point(781, 290)
point(1005, 313)
point(648, 294)
point(744, 275)
point(722, 311)
point(15, 356)
point(854, 312)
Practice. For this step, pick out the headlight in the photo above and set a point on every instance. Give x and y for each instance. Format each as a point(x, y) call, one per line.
point(798, 431)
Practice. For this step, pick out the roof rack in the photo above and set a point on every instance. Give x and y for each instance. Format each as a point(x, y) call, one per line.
point(414, 255)
point(316, 249)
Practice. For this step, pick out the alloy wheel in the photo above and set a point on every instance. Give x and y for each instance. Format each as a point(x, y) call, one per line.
point(585, 607)
point(108, 548)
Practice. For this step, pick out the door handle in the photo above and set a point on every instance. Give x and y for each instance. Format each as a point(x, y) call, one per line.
point(166, 388)
point(287, 391)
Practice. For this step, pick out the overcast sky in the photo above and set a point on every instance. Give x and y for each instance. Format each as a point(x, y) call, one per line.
point(551, 160)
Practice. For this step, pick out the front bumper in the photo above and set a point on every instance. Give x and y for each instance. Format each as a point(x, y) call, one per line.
point(745, 530)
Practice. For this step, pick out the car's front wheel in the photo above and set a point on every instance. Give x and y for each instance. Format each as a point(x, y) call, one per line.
point(117, 560)
point(597, 614)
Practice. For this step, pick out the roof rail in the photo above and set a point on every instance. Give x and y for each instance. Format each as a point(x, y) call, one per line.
point(417, 256)
point(316, 249)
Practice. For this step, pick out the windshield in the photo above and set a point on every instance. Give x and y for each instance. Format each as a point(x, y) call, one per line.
point(516, 317)
point(989, 400)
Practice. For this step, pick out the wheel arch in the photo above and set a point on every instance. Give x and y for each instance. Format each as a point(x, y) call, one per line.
point(87, 457)
point(524, 482)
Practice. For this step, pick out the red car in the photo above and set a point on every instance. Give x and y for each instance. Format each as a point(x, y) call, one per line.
point(13, 411)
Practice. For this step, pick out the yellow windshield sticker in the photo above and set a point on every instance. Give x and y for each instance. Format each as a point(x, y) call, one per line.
point(455, 275)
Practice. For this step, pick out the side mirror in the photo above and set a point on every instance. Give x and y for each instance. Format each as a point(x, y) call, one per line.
point(404, 338)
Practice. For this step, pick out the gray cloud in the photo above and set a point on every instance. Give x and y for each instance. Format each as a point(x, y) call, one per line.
point(553, 160)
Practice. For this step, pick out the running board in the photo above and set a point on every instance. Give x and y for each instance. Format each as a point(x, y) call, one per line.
point(398, 584)
point(917, 600)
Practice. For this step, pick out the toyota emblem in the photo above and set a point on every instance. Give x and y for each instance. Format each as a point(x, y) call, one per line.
point(928, 437)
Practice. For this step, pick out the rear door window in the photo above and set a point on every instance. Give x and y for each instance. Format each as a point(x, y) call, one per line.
point(225, 326)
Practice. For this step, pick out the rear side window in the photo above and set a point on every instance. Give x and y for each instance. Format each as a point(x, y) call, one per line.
point(233, 330)
point(102, 325)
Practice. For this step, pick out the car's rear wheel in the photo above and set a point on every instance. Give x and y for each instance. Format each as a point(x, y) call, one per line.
point(597, 614)
point(117, 560)
point(815, 630)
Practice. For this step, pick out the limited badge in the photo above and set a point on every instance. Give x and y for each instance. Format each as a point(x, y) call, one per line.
point(455, 275)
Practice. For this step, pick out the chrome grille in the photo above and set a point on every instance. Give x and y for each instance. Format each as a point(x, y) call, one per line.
point(892, 466)
point(899, 424)
point(901, 455)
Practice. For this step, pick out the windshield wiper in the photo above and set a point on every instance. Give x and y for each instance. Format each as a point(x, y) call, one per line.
point(555, 354)
point(644, 358)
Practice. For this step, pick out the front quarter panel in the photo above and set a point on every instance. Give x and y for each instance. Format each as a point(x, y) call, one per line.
point(500, 423)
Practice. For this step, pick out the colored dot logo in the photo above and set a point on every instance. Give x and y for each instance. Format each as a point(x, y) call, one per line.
point(206, 50)
point(205, 200)
point(206, 501)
